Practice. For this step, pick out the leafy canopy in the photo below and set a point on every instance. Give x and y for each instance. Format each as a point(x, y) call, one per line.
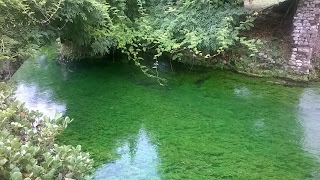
point(87, 28)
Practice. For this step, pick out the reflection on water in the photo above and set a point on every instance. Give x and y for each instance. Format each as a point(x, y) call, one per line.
point(43, 63)
point(242, 92)
point(37, 100)
point(309, 113)
point(138, 163)
point(259, 125)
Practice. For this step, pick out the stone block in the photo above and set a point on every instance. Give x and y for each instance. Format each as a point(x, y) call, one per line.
point(305, 34)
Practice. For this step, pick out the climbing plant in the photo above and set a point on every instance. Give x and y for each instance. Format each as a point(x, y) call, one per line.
point(200, 28)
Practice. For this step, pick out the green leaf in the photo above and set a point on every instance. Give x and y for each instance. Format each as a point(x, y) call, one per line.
point(3, 161)
point(16, 176)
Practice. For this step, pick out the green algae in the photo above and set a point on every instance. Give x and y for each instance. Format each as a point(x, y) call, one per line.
point(226, 127)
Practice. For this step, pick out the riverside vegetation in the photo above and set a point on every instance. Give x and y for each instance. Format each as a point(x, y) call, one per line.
point(91, 28)
point(27, 147)
point(179, 30)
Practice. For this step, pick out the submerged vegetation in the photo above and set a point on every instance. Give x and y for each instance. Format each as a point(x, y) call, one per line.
point(203, 125)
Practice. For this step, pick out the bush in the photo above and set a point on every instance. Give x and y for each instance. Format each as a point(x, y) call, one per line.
point(27, 148)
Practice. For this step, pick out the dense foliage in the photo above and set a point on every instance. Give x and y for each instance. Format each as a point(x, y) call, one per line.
point(28, 24)
point(203, 28)
point(27, 148)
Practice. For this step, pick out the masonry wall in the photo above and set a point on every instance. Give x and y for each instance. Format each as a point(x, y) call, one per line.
point(305, 35)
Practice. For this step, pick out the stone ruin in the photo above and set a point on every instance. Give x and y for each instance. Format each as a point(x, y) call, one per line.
point(305, 36)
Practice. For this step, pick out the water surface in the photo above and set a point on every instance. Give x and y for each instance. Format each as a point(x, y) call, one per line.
point(202, 125)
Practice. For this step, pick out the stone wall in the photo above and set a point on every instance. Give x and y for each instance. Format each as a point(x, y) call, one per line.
point(305, 35)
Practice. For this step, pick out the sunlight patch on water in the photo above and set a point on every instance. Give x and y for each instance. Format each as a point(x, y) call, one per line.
point(37, 100)
point(138, 163)
point(309, 114)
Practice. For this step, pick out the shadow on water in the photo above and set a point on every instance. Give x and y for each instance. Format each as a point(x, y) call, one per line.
point(223, 127)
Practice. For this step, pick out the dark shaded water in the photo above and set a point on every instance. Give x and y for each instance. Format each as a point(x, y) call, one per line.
point(227, 127)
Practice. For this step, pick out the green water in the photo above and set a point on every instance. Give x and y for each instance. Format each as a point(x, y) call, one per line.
point(209, 125)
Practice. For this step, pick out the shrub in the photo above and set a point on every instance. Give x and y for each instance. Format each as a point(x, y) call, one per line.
point(27, 148)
